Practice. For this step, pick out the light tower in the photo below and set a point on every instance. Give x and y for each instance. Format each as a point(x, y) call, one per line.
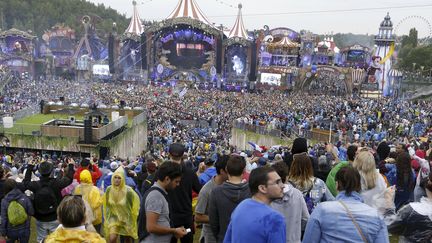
point(384, 42)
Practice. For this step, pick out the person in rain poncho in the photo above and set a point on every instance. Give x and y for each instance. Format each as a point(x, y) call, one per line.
point(71, 215)
point(120, 209)
point(92, 196)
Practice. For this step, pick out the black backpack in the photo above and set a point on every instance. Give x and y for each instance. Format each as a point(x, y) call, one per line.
point(142, 220)
point(45, 201)
point(148, 183)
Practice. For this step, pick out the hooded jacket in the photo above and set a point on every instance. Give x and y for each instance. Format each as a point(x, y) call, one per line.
point(91, 194)
point(5, 227)
point(73, 236)
point(120, 208)
point(95, 173)
point(223, 200)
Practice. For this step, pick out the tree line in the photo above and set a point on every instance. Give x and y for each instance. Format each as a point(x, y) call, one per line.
point(40, 15)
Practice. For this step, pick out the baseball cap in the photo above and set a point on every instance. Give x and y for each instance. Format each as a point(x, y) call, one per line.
point(114, 166)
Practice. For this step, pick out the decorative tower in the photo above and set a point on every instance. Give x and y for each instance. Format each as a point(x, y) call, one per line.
point(384, 42)
point(135, 26)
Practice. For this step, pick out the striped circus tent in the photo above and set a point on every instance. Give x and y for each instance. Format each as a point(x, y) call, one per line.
point(189, 9)
point(285, 41)
point(238, 30)
point(135, 26)
point(358, 75)
point(395, 73)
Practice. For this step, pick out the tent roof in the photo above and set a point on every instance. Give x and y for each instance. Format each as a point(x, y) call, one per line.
point(189, 8)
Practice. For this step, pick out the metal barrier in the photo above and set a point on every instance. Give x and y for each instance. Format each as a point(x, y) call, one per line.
point(26, 112)
point(24, 129)
point(263, 130)
point(313, 134)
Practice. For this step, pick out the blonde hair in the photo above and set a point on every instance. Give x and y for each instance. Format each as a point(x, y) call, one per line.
point(364, 162)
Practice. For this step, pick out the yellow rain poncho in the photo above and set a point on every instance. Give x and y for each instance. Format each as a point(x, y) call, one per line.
point(91, 195)
point(73, 236)
point(120, 208)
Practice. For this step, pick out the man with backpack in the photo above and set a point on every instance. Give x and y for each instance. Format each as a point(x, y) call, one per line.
point(181, 197)
point(47, 195)
point(16, 209)
point(154, 222)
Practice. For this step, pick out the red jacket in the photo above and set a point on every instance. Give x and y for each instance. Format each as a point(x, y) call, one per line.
point(95, 173)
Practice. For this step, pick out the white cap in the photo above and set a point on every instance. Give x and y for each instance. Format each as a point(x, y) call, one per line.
point(114, 166)
point(243, 154)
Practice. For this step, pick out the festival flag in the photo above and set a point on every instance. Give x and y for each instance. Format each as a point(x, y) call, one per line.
point(183, 92)
point(255, 146)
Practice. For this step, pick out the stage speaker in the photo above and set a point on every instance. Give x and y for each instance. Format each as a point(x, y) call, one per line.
point(61, 98)
point(144, 51)
point(253, 63)
point(122, 103)
point(87, 131)
point(219, 56)
point(111, 55)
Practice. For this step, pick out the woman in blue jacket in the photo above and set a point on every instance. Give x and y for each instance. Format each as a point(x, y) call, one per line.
point(348, 219)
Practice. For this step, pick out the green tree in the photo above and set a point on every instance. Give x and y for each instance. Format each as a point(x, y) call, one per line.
point(411, 39)
point(41, 15)
point(421, 56)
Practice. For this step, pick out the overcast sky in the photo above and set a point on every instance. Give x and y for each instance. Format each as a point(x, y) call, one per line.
point(319, 16)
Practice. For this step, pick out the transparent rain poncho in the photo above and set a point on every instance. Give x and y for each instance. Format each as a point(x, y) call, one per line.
point(120, 208)
point(413, 222)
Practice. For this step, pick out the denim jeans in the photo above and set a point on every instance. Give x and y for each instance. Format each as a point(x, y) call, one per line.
point(43, 229)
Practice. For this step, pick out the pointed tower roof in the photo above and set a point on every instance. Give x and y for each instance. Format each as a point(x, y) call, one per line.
point(190, 9)
point(135, 26)
point(238, 30)
point(386, 22)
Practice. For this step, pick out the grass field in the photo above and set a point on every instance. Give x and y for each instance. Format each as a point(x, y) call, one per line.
point(32, 123)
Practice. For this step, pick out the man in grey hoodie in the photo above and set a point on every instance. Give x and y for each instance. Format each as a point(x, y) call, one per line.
point(225, 198)
point(292, 206)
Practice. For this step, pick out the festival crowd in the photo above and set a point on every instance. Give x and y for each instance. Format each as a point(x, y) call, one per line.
point(374, 182)
point(321, 193)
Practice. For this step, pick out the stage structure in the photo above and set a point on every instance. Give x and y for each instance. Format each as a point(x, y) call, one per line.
point(356, 56)
point(185, 47)
point(16, 51)
point(395, 82)
point(326, 52)
point(130, 51)
point(382, 60)
point(57, 49)
point(90, 43)
point(237, 57)
point(308, 43)
point(279, 56)
point(90, 50)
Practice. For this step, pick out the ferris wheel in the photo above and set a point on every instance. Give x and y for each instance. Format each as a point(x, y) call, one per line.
point(422, 25)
